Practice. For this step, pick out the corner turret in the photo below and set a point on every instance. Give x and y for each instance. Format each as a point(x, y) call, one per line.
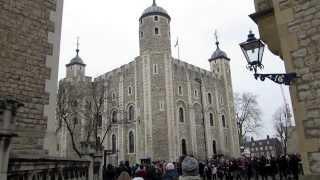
point(76, 67)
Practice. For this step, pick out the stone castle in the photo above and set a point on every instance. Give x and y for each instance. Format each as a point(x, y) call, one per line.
point(161, 108)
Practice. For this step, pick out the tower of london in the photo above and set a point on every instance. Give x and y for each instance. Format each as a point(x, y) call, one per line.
point(159, 107)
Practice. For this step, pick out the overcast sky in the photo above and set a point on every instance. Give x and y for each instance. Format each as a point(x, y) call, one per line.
point(108, 31)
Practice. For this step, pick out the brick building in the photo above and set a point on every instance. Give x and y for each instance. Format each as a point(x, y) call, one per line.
point(264, 147)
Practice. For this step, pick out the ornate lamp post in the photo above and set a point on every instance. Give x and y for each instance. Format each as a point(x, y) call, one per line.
point(253, 50)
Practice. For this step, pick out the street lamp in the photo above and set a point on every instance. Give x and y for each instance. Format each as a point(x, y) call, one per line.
point(253, 50)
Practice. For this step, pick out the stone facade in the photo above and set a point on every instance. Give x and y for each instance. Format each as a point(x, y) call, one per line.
point(169, 106)
point(291, 30)
point(30, 42)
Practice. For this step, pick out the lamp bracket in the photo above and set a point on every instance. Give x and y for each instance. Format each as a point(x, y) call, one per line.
point(278, 78)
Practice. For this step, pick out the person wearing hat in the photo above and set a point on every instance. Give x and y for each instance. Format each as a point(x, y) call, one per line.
point(190, 169)
point(171, 172)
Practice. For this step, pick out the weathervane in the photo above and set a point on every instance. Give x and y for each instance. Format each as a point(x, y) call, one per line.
point(217, 38)
point(78, 44)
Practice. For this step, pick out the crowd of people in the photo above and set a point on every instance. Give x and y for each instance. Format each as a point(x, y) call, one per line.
point(217, 168)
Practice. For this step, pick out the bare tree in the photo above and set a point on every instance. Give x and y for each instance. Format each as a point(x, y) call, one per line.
point(282, 122)
point(248, 115)
point(80, 109)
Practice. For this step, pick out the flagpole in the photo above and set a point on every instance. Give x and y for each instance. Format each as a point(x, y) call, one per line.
point(178, 45)
point(178, 51)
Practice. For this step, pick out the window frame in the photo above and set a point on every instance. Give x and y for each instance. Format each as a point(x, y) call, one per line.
point(223, 119)
point(211, 119)
point(131, 142)
point(181, 115)
point(114, 116)
point(155, 69)
point(180, 91)
point(131, 113)
point(209, 98)
point(157, 31)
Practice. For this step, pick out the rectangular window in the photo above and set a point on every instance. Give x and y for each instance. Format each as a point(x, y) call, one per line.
point(156, 18)
point(161, 104)
point(155, 69)
point(156, 31)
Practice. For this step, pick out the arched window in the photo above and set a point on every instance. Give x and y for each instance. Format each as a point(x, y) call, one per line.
point(181, 115)
point(184, 147)
point(131, 113)
point(223, 121)
point(211, 119)
point(114, 143)
point(131, 142)
point(180, 90)
point(114, 117)
point(209, 98)
point(155, 18)
point(214, 147)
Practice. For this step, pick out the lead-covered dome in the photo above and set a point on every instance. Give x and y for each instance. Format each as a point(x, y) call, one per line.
point(154, 9)
point(76, 60)
point(219, 54)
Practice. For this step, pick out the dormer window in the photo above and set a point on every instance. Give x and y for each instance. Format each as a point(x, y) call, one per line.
point(156, 18)
point(156, 31)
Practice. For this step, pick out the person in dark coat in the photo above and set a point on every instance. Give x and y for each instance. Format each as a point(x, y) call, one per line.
point(109, 173)
point(294, 166)
point(283, 167)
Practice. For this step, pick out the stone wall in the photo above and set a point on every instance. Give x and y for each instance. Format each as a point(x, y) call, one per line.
point(306, 62)
point(25, 27)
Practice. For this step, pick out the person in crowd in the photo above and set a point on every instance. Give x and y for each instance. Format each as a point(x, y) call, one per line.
point(190, 169)
point(294, 166)
point(207, 172)
point(141, 172)
point(171, 172)
point(283, 166)
point(124, 175)
point(214, 171)
point(109, 173)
